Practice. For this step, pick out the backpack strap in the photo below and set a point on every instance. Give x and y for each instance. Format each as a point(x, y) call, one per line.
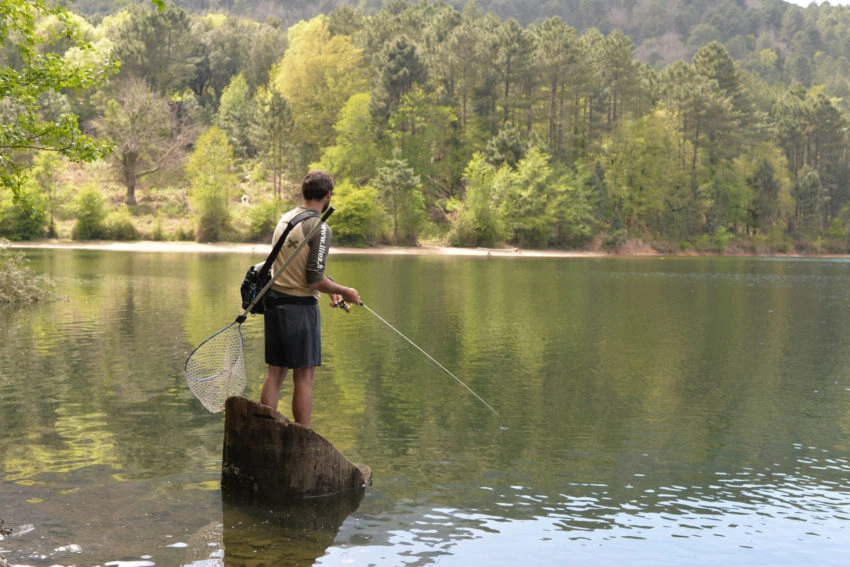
point(303, 215)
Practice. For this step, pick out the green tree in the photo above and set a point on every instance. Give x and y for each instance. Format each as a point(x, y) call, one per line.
point(423, 132)
point(211, 173)
point(811, 200)
point(90, 209)
point(31, 71)
point(478, 221)
point(514, 67)
point(271, 134)
point(225, 46)
point(46, 168)
point(317, 75)
point(268, 44)
point(508, 147)
point(555, 53)
point(642, 171)
point(17, 220)
point(359, 218)
point(399, 187)
point(159, 46)
point(529, 200)
point(356, 155)
point(400, 70)
point(458, 64)
point(620, 75)
point(236, 114)
point(764, 209)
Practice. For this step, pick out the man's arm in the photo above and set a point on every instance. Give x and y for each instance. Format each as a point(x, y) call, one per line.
point(316, 277)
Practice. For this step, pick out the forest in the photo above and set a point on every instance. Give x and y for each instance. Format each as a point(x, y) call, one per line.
point(566, 124)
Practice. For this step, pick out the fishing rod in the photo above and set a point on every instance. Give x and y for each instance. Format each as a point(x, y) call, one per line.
point(343, 305)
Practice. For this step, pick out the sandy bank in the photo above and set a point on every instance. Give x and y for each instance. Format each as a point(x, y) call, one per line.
point(263, 249)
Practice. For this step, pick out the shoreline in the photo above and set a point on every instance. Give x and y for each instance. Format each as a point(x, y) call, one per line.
point(261, 249)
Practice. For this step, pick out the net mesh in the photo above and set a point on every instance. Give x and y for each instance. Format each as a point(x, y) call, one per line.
point(216, 369)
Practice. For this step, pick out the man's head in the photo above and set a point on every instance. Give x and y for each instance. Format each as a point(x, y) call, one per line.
point(317, 185)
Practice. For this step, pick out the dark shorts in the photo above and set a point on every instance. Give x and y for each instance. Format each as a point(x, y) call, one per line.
point(293, 331)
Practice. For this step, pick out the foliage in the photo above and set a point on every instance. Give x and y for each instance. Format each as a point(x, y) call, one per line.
point(688, 123)
point(529, 199)
point(399, 187)
point(18, 282)
point(317, 75)
point(159, 46)
point(236, 113)
point(262, 219)
point(359, 218)
point(32, 71)
point(119, 226)
point(210, 170)
point(21, 219)
point(478, 221)
point(271, 134)
point(90, 209)
point(356, 154)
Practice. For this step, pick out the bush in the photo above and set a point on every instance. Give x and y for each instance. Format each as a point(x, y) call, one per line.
point(262, 220)
point(183, 234)
point(18, 283)
point(91, 214)
point(22, 221)
point(119, 226)
point(359, 217)
point(157, 233)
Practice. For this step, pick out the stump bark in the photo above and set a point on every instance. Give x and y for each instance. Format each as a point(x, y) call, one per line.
point(269, 456)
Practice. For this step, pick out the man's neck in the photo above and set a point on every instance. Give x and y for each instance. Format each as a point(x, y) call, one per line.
point(315, 205)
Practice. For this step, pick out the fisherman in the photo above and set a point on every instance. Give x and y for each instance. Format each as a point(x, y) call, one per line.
point(292, 320)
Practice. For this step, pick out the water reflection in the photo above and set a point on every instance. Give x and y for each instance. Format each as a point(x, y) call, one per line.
point(660, 412)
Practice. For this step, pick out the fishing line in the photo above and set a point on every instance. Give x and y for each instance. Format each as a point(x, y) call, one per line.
point(344, 306)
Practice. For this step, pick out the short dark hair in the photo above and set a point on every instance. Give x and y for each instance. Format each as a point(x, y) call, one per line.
point(316, 185)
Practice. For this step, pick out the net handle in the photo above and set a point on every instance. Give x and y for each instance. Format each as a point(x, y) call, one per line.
point(242, 316)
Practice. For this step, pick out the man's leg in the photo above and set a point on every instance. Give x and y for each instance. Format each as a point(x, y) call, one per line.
point(302, 394)
point(271, 386)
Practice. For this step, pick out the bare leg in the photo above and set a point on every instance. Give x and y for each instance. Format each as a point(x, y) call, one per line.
point(271, 386)
point(302, 394)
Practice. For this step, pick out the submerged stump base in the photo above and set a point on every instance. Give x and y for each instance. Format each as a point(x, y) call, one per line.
point(269, 456)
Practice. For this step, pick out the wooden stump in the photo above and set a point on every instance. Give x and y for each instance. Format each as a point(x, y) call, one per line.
point(269, 456)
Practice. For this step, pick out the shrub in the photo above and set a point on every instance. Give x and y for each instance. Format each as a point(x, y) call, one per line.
point(262, 220)
point(23, 219)
point(21, 222)
point(157, 233)
point(91, 214)
point(359, 217)
point(119, 226)
point(18, 282)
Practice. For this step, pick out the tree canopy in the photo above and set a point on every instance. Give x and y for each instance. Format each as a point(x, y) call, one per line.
point(543, 124)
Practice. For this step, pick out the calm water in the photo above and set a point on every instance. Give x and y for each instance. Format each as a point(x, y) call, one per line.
point(682, 411)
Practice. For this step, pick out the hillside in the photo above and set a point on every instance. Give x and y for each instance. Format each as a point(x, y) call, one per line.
point(678, 123)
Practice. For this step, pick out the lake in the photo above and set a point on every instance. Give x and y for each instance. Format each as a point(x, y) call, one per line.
point(651, 411)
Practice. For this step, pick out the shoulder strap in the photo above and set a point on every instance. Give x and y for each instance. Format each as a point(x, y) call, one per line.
point(309, 213)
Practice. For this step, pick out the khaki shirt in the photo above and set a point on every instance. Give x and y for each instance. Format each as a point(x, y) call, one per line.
point(308, 267)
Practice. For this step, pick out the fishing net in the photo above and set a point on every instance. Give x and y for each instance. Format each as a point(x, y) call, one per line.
point(215, 370)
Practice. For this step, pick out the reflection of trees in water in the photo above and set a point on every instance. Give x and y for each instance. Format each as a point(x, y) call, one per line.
point(107, 362)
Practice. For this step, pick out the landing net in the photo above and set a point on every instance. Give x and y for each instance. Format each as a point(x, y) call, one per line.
point(215, 370)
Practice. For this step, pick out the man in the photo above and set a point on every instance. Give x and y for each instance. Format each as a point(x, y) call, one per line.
point(292, 320)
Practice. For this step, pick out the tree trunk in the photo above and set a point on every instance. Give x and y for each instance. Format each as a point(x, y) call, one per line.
point(130, 160)
point(271, 457)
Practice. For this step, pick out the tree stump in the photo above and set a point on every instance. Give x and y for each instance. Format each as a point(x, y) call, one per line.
point(271, 457)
